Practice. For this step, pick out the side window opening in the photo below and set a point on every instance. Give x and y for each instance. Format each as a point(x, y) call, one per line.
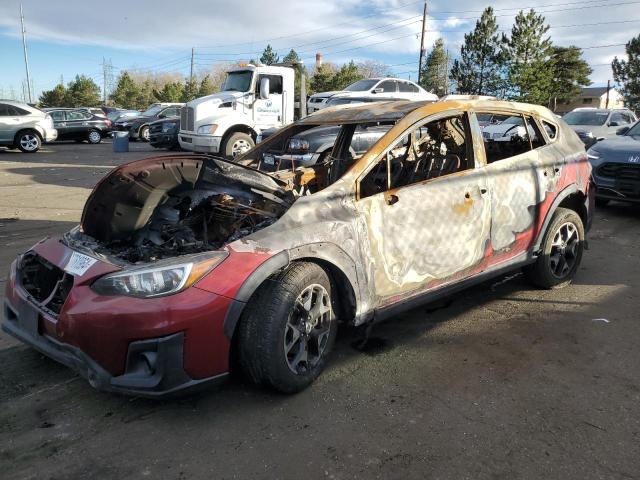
point(551, 129)
point(58, 116)
point(275, 83)
point(509, 135)
point(430, 151)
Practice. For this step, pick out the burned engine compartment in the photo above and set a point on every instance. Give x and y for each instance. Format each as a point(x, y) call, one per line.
point(170, 206)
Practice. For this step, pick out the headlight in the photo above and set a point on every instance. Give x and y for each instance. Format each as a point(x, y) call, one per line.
point(298, 145)
point(168, 127)
point(207, 129)
point(158, 279)
point(593, 154)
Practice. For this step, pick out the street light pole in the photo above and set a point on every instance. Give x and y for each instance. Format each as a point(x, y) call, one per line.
point(26, 59)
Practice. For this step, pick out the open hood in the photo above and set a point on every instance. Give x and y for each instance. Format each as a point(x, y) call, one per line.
point(162, 205)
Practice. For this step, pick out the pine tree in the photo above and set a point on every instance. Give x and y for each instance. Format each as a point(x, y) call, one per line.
point(434, 76)
point(126, 93)
point(291, 57)
point(269, 57)
point(190, 90)
point(171, 92)
point(570, 72)
point(347, 74)
point(55, 97)
point(82, 92)
point(322, 78)
point(528, 53)
point(479, 71)
point(206, 87)
point(626, 73)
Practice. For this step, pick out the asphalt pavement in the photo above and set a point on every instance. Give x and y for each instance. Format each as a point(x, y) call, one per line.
point(501, 381)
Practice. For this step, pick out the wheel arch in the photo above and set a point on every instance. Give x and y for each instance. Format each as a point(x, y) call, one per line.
point(571, 198)
point(27, 129)
point(238, 127)
point(331, 258)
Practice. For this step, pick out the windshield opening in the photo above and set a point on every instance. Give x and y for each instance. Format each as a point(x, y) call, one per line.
point(586, 118)
point(361, 85)
point(152, 111)
point(634, 130)
point(238, 81)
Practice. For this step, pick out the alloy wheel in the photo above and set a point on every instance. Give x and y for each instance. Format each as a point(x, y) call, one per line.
point(29, 142)
point(239, 147)
point(307, 330)
point(564, 250)
point(94, 137)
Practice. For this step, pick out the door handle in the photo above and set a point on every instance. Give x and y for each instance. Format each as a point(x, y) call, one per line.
point(391, 199)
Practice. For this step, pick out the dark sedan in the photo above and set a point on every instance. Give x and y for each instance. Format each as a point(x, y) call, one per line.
point(164, 133)
point(616, 167)
point(79, 125)
point(138, 127)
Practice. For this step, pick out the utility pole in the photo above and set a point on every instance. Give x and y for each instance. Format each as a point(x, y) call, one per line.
point(424, 21)
point(192, 55)
point(24, 48)
point(608, 88)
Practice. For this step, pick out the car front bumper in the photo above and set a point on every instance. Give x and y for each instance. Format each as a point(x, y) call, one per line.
point(143, 347)
point(163, 140)
point(49, 134)
point(199, 143)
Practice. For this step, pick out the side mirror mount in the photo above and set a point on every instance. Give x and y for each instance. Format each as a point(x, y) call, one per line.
point(614, 124)
point(599, 139)
point(622, 131)
point(264, 88)
point(162, 115)
point(377, 90)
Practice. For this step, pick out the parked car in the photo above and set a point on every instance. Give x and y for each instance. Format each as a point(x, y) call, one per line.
point(98, 112)
point(24, 127)
point(616, 166)
point(122, 114)
point(108, 110)
point(138, 126)
point(317, 101)
point(504, 128)
point(80, 125)
point(164, 133)
point(592, 124)
point(340, 99)
point(183, 261)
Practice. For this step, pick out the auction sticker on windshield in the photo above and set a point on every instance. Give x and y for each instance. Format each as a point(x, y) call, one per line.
point(78, 264)
point(269, 159)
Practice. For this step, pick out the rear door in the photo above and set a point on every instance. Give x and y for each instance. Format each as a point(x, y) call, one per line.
point(78, 124)
point(60, 123)
point(7, 124)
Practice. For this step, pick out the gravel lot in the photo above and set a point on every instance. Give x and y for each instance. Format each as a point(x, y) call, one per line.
point(499, 382)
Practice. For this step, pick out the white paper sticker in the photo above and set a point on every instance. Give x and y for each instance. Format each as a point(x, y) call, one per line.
point(269, 160)
point(78, 264)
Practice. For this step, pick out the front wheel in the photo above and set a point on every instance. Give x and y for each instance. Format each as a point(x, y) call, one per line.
point(561, 251)
point(94, 137)
point(288, 329)
point(237, 144)
point(144, 133)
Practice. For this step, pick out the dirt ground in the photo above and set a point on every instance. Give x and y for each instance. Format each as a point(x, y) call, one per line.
point(498, 382)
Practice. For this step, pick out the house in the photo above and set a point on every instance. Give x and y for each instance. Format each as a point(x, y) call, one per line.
point(595, 97)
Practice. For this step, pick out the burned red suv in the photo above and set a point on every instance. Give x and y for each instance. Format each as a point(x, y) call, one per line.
point(182, 261)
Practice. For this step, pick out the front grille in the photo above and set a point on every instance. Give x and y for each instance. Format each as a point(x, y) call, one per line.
point(187, 119)
point(46, 283)
point(627, 177)
point(155, 128)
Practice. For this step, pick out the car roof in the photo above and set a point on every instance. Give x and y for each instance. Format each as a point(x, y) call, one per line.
point(379, 111)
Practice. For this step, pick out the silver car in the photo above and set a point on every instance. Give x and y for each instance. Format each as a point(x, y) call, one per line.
point(24, 127)
point(593, 124)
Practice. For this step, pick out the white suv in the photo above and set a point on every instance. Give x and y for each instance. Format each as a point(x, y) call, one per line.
point(24, 127)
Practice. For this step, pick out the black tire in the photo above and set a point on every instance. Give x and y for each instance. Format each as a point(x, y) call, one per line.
point(94, 136)
point(602, 202)
point(557, 265)
point(237, 144)
point(28, 141)
point(143, 133)
point(269, 319)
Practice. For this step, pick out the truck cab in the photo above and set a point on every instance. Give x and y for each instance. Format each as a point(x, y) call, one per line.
point(252, 98)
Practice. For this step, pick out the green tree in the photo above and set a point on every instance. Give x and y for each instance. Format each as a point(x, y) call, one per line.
point(528, 54)
point(347, 74)
point(269, 57)
point(570, 72)
point(55, 97)
point(479, 71)
point(145, 95)
point(190, 90)
point(82, 92)
point(322, 79)
point(171, 92)
point(626, 73)
point(126, 92)
point(435, 70)
point(291, 57)
point(206, 86)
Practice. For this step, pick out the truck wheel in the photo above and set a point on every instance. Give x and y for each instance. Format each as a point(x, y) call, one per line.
point(144, 133)
point(288, 329)
point(94, 137)
point(561, 251)
point(237, 144)
point(28, 141)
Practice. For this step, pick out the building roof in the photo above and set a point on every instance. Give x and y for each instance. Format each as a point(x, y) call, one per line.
point(594, 91)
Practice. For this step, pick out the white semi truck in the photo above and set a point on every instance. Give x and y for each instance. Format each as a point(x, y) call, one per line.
point(253, 98)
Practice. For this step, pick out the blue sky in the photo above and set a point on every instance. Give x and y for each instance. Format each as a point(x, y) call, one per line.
point(66, 38)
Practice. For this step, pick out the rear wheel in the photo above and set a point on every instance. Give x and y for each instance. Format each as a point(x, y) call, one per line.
point(28, 141)
point(94, 137)
point(561, 251)
point(237, 144)
point(288, 329)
